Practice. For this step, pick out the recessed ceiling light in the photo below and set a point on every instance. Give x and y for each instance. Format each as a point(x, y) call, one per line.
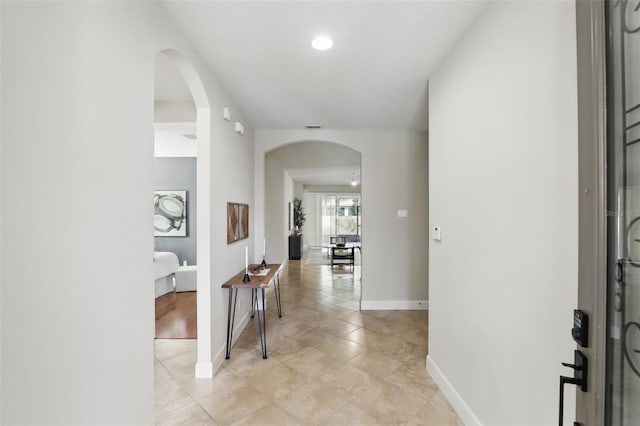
point(322, 43)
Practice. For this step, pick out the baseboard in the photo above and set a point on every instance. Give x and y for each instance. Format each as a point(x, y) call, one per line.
point(218, 359)
point(394, 305)
point(461, 408)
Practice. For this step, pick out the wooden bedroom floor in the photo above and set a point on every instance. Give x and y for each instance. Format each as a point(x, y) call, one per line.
point(179, 321)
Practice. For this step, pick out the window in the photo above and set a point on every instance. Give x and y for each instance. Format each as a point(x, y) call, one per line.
point(341, 215)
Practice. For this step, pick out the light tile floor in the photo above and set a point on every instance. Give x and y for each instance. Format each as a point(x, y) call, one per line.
point(329, 363)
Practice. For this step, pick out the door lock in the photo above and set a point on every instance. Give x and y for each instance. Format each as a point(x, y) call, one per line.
point(580, 330)
point(580, 368)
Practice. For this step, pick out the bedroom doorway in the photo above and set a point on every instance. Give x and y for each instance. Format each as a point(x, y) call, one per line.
point(181, 208)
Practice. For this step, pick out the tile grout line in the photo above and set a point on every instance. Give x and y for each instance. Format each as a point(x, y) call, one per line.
point(315, 312)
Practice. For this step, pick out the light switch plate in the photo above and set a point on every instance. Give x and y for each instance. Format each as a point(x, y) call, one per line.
point(403, 213)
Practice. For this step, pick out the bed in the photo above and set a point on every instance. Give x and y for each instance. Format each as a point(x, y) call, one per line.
point(165, 264)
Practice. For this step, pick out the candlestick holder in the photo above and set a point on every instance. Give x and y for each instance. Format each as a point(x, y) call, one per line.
point(264, 263)
point(246, 278)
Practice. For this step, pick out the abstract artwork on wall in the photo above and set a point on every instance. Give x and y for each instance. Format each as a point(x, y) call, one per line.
point(237, 222)
point(170, 217)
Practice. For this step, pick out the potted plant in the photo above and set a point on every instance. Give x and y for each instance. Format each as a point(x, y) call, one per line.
point(295, 239)
point(298, 216)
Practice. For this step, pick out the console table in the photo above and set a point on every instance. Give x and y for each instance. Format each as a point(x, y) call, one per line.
point(258, 282)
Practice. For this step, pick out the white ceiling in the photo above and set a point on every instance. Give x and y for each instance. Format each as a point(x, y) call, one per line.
point(375, 77)
point(319, 163)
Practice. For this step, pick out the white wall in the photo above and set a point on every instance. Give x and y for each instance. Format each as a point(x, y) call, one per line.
point(394, 176)
point(289, 188)
point(298, 190)
point(77, 134)
point(174, 111)
point(503, 173)
point(0, 214)
point(65, 320)
point(279, 186)
point(230, 183)
point(314, 220)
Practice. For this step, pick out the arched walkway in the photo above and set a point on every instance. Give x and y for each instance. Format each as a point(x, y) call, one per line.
point(203, 367)
point(319, 166)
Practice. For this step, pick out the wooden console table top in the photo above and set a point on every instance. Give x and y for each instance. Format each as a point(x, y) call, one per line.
point(257, 281)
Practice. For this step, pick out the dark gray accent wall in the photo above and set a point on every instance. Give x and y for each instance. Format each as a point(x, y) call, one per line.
point(174, 173)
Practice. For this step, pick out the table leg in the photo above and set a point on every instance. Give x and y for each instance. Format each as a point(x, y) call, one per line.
point(255, 307)
point(276, 285)
point(353, 260)
point(262, 326)
point(253, 297)
point(231, 316)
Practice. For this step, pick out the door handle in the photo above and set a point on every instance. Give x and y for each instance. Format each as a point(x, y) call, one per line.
point(580, 368)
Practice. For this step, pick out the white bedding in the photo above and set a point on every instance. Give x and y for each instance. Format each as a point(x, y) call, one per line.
point(165, 265)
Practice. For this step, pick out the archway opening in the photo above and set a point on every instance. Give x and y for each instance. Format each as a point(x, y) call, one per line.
point(326, 178)
point(182, 199)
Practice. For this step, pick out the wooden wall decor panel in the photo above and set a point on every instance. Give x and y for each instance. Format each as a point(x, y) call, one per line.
point(237, 222)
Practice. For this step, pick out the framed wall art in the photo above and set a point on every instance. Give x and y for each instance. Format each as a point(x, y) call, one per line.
point(170, 213)
point(237, 222)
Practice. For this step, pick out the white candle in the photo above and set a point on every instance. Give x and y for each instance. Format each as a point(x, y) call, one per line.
point(246, 259)
point(264, 247)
